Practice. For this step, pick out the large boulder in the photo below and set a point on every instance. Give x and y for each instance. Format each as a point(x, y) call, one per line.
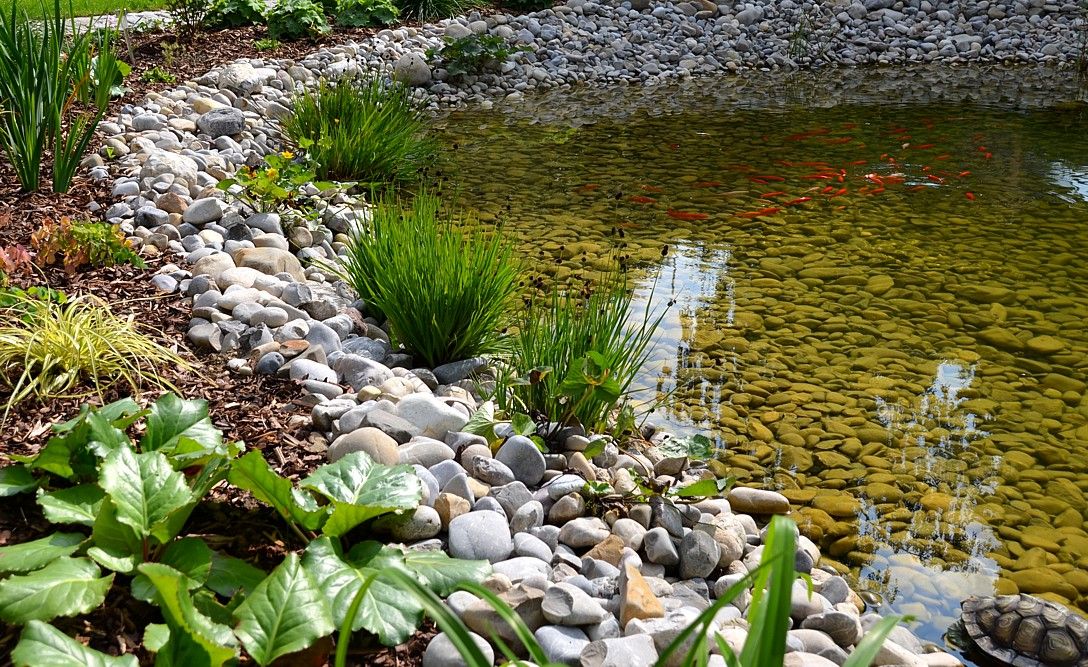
point(225, 121)
point(270, 261)
point(411, 69)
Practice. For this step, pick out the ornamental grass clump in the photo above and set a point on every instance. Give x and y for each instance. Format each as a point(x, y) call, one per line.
point(578, 352)
point(78, 348)
point(56, 80)
point(368, 131)
point(446, 292)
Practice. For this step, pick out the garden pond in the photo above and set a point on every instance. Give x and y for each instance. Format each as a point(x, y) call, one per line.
point(881, 289)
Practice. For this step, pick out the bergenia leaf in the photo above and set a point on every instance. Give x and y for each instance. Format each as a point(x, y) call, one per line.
point(75, 504)
point(361, 489)
point(285, 614)
point(228, 575)
point(15, 479)
point(42, 645)
point(64, 587)
point(29, 556)
point(194, 638)
point(144, 488)
point(252, 473)
point(173, 418)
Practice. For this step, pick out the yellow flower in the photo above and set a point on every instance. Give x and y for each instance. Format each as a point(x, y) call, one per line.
point(287, 155)
point(272, 172)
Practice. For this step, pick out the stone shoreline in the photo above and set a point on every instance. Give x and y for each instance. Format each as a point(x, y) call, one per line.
point(596, 591)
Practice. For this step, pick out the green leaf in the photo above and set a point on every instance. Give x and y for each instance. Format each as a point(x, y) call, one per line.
point(173, 419)
point(482, 422)
point(252, 473)
point(30, 556)
point(65, 587)
point(144, 488)
point(195, 640)
point(155, 636)
point(228, 575)
point(706, 488)
point(116, 545)
point(286, 613)
point(594, 448)
point(42, 645)
point(76, 504)
point(15, 479)
point(103, 437)
point(522, 424)
point(361, 489)
point(190, 556)
point(384, 611)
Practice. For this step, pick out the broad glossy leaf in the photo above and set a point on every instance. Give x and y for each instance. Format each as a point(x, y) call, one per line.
point(76, 504)
point(30, 556)
point(174, 418)
point(155, 636)
point(65, 587)
point(189, 556)
point(119, 544)
point(15, 479)
point(361, 489)
point(103, 437)
point(434, 569)
point(707, 488)
point(144, 488)
point(286, 613)
point(195, 640)
point(42, 645)
point(228, 575)
point(252, 473)
point(387, 612)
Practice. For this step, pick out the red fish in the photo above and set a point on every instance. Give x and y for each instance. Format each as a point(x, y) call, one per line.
point(922, 147)
point(687, 215)
point(755, 179)
point(876, 191)
point(775, 179)
point(964, 173)
point(945, 156)
point(706, 184)
point(760, 213)
point(639, 199)
point(917, 188)
point(857, 162)
point(830, 188)
point(776, 193)
point(588, 187)
point(651, 188)
point(875, 178)
point(838, 193)
point(969, 195)
point(892, 180)
point(818, 177)
point(799, 200)
point(988, 155)
point(784, 163)
point(935, 179)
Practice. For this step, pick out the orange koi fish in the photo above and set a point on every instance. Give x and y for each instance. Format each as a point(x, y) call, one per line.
point(760, 213)
point(640, 199)
point(650, 188)
point(688, 216)
point(875, 178)
point(830, 188)
point(935, 179)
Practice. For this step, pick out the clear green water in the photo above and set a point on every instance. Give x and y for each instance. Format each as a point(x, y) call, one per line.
point(897, 342)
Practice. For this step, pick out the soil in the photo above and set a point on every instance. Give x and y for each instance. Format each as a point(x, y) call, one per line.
point(263, 412)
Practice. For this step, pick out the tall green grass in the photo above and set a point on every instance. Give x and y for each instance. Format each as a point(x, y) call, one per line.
point(576, 353)
point(432, 10)
point(768, 617)
point(447, 293)
point(369, 131)
point(55, 85)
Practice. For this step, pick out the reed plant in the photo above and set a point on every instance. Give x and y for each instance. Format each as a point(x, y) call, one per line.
point(576, 352)
point(446, 292)
point(78, 348)
point(771, 584)
point(370, 131)
point(431, 10)
point(55, 85)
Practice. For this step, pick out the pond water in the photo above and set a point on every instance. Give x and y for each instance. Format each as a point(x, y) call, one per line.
point(880, 308)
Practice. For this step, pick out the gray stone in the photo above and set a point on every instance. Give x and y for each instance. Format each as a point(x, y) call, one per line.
point(374, 442)
point(511, 496)
point(491, 471)
point(583, 533)
point(458, 370)
point(422, 524)
point(660, 548)
point(425, 451)
point(360, 372)
point(844, 628)
point(529, 515)
point(442, 653)
point(222, 121)
point(412, 70)
point(431, 416)
point(565, 604)
point(523, 458)
point(480, 536)
point(530, 545)
point(203, 211)
point(632, 651)
point(560, 644)
point(400, 430)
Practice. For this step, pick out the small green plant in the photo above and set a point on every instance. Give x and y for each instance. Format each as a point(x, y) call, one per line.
point(447, 293)
point(235, 13)
point(266, 44)
point(472, 54)
point(50, 349)
point(370, 131)
point(431, 10)
point(272, 186)
point(188, 15)
point(292, 19)
point(366, 13)
point(576, 353)
point(76, 243)
point(158, 74)
point(56, 80)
